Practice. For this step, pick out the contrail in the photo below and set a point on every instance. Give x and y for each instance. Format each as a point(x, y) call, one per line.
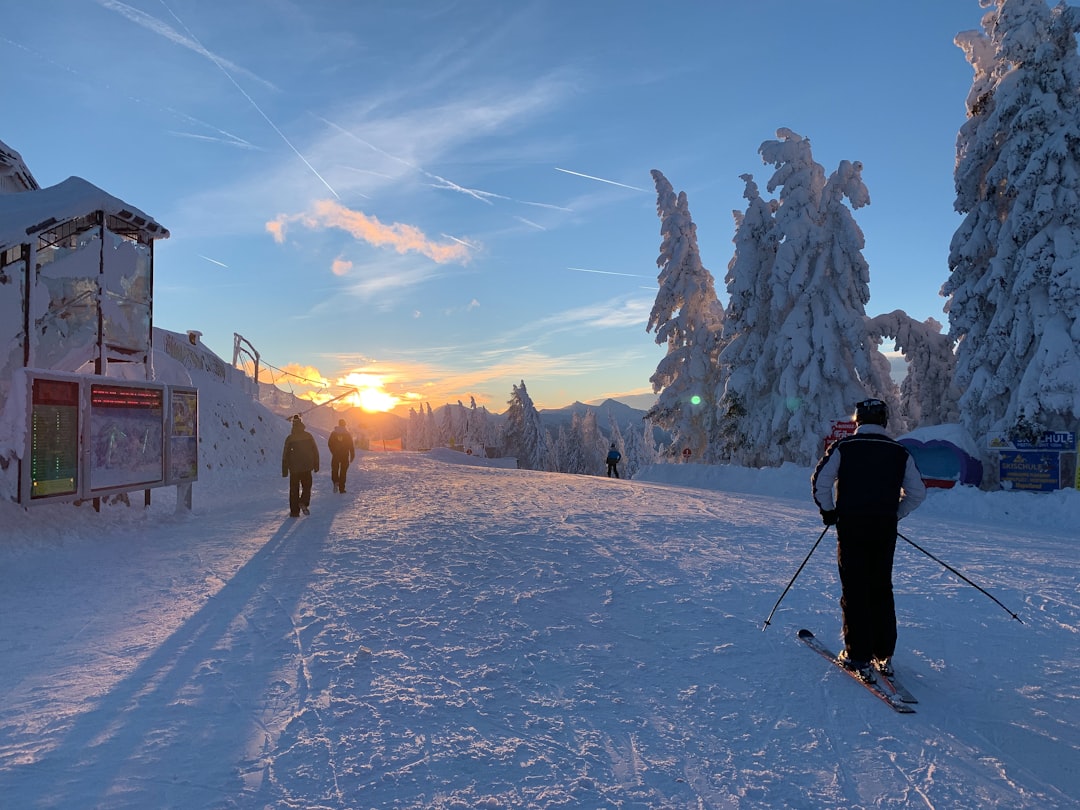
point(160, 28)
point(530, 223)
point(606, 272)
point(251, 101)
point(212, 261)
point(599, 179)
point(441, 182)
point(460, 241)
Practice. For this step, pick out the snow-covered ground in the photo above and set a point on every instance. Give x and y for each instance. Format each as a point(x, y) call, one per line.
point(455, 634)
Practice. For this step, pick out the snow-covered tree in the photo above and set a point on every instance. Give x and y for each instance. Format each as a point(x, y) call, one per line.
point(747, 323)
point(928, 395)
point(812, 357)
point(476, 432)
point(638, 450)
point(1014, 284)
point(689, 318)
point(524, 435)
point(594, 445)
point(420, 432)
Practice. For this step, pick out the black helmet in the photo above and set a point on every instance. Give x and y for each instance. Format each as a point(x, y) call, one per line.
point(872, 412)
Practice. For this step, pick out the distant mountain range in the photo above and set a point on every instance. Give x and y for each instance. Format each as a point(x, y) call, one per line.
point(391, 425)
point(624, 415)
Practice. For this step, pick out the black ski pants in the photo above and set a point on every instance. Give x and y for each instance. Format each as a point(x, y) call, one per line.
point(864, 554)
point(612, 468)
point(299, 491)
point(339, 470)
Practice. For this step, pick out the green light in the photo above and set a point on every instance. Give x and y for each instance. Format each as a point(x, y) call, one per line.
point(695, 400)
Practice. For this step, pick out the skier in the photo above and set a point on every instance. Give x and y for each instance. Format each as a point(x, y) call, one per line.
point(864, 484)
point(342, 453)
point(299, 459)
point(613, 458)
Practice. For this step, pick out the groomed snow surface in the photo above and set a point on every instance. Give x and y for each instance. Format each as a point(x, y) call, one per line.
point(452, 633)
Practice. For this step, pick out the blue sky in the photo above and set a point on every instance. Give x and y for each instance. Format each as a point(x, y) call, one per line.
point(449, 197)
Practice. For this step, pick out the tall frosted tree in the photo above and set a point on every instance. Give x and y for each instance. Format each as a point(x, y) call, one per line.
point(689, 318)
point(1014, 284)
point(928, 394)
point(638, 449)
point(803, 354)
point(747, 324)
point(524, 435)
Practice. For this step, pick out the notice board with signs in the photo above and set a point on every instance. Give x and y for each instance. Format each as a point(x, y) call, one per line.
point(91, 436)
point(1041, 464)
point(54, 438)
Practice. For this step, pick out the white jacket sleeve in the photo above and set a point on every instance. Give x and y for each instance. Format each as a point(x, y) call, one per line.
point(914, 490)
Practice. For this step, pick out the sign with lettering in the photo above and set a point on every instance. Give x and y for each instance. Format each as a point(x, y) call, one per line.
point(1059, 440)
point(840, 429)
point(1030, 470)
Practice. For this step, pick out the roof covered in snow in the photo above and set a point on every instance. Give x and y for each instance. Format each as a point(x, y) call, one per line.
point(15, 176)
point(22, 215)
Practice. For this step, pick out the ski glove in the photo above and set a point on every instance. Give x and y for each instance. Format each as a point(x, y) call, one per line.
point(828, 517)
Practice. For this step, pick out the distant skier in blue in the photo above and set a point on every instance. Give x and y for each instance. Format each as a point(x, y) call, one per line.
point(864, 484)
point(613, 458)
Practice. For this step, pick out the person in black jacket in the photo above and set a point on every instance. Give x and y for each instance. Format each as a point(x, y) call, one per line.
point(864, 484)
point(342, 453)
point(299, 459)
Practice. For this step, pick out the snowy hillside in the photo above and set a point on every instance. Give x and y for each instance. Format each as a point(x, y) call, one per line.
point(455, 634)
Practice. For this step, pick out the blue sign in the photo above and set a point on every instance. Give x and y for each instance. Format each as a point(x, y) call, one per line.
point(1059, 440)
point(1030, 470)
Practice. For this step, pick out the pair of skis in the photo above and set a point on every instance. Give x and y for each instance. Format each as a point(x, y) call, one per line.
point(886, 688)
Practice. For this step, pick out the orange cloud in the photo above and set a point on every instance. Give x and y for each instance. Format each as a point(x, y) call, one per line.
point(340, 267)
point(402, 238)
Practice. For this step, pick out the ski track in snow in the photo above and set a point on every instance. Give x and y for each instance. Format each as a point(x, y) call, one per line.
point(451, 636)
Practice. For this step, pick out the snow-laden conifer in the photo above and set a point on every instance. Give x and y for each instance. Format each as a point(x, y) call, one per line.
point(1014, 284)
point(524, 435)
point(802, 355)
point(689, 318)
point(747, 324)
point(928, 395)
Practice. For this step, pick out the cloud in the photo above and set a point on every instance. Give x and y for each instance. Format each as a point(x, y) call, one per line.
point(339, 267)
point(401, 237)
point(613, 314)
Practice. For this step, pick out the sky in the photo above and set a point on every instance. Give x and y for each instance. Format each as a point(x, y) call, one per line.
point(432, 201)
point(456, 633)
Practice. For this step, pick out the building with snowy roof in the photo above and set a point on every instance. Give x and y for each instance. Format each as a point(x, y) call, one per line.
point(76, 299)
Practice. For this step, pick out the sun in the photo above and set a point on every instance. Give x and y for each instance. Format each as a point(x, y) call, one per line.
point(370, 393)
point(374, 399)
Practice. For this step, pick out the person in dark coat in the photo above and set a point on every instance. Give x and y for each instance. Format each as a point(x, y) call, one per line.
point(613, 458)
point(342, 453)
point(864, 484)
point(299, 459)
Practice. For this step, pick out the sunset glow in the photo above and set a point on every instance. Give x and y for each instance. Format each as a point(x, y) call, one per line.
point(370, 394)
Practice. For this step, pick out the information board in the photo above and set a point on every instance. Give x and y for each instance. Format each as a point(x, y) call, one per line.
point(184, 435)
point(126, 447)
point(54, 438)
point(1030, 470)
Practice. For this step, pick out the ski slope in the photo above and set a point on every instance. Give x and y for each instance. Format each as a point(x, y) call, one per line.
point(455, 634)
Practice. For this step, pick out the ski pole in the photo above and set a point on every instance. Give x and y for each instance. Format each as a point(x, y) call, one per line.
point(968, 581)
point(768, 621)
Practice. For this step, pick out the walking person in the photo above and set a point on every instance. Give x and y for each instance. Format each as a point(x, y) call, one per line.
point(342, 453)
point(613, 458)
point(299, 459)
point(864, 484)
